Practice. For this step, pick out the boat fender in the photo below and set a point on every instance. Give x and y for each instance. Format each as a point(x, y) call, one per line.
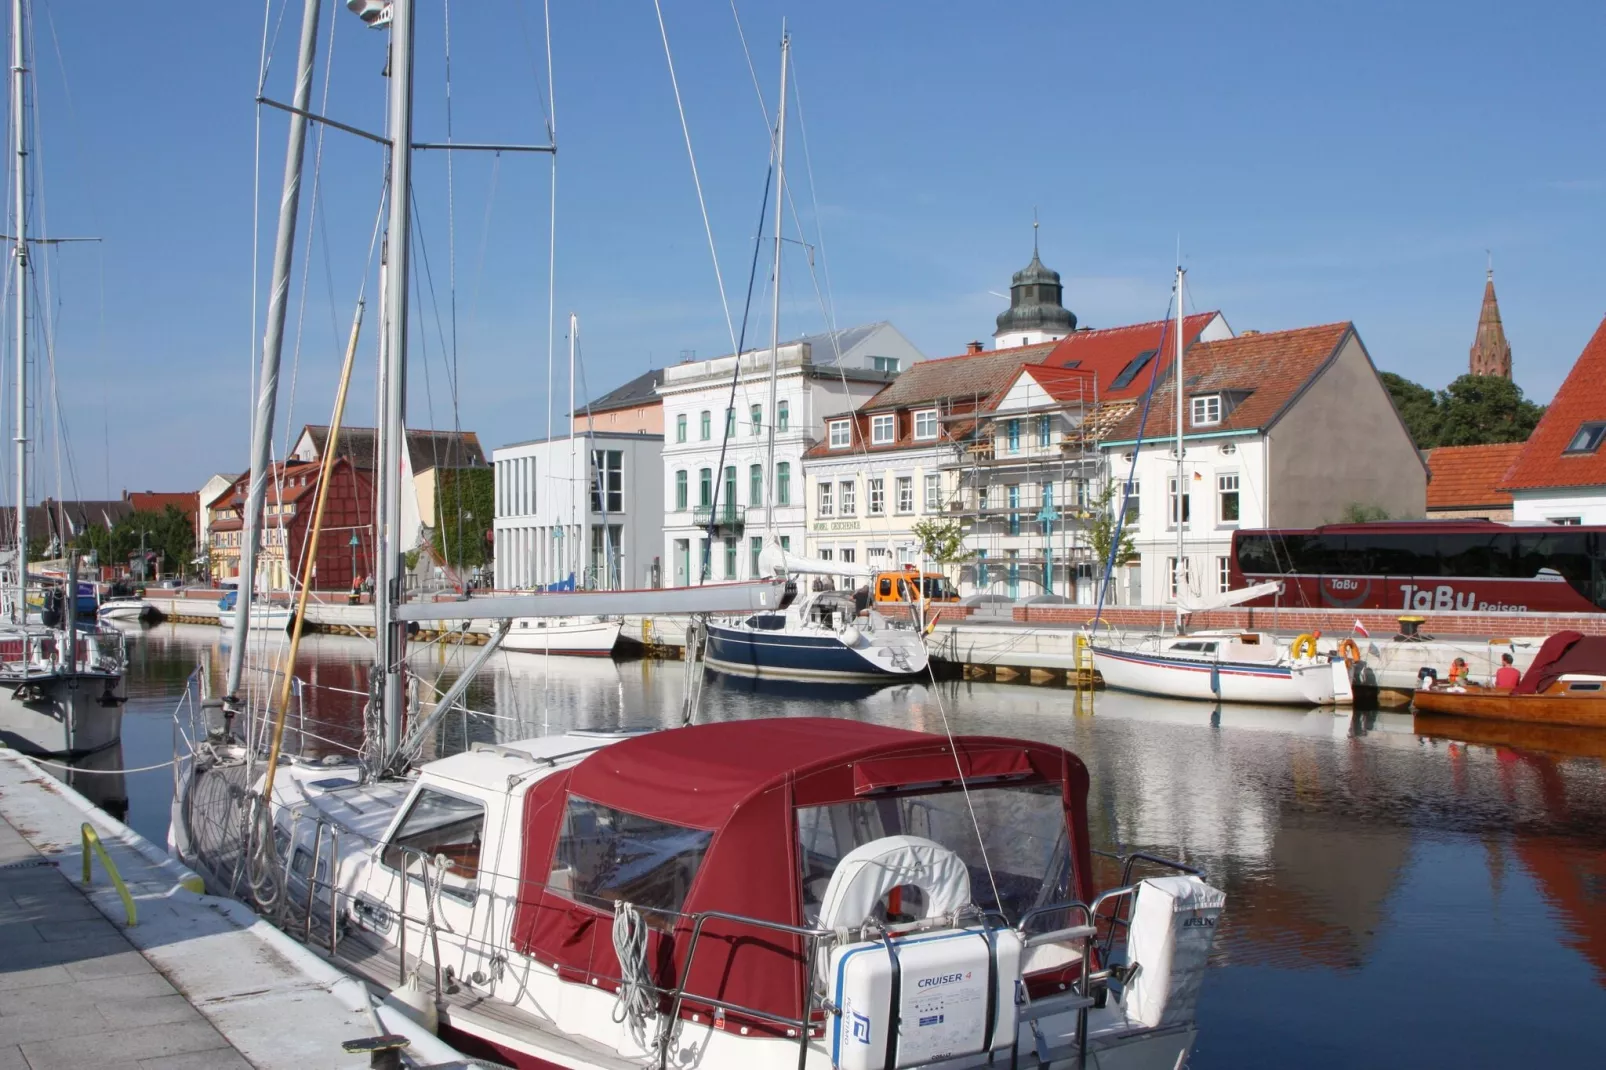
point(1304, 647)
point(1350, 651)
point(412, 1000)
point(850, 636)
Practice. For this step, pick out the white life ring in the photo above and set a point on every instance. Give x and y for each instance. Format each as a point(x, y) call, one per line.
point(867, 873)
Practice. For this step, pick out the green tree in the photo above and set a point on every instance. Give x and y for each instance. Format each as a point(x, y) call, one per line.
point(1358, 513)
point(1418, 408)
point(942, 539)
point(168, 537)
point(1478, 410)
point(1102, 528)
point(465, 507)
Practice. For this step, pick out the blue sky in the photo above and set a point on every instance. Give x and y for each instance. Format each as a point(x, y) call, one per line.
point(1319, 162)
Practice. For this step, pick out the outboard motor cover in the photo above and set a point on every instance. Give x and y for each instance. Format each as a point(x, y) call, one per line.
point(913, 1000)
point(1173, 926)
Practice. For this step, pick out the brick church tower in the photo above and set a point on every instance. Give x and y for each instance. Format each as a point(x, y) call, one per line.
point(1491, 353)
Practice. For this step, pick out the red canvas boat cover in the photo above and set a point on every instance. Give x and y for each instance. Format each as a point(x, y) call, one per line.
point(1562, 653)
point(742, 780)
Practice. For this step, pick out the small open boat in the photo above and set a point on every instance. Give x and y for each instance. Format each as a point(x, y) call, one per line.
point(1565, 685)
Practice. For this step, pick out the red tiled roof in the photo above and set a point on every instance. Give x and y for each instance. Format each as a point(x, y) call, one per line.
point(153, 501)
point(280, 489)
point(1469, 477)
point(968, 377)
point(1581, 399)
point(1106, 353)
point(1061, 384)
point(1261, 372)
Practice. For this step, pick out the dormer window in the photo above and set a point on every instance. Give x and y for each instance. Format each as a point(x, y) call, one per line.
point(883, 429)
point(841, 435)
point(886, 364)
point(926, 424)
point(1206, 410)
point(1588, 438)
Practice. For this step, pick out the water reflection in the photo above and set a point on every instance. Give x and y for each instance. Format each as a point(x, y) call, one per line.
point(1417, 857)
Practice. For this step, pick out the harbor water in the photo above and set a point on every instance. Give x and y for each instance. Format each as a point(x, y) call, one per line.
point(1399, 894)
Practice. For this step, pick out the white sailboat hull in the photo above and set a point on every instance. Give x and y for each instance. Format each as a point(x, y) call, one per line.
point(563, 636)
point(61, 716)
point(1221, 681)
point(263, 618)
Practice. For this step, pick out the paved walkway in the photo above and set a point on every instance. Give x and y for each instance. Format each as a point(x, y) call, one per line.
point(75, 993)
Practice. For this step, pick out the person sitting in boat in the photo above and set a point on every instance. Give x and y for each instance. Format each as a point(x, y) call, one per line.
point(1507, 675)
point(861, 600)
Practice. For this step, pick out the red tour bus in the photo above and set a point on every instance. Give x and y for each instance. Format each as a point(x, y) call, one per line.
point(1476, 566)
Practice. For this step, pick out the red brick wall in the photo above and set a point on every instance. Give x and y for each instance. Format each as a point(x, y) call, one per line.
point(1332, 622)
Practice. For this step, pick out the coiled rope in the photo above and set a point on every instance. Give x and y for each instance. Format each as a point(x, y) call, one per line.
point(637, 996)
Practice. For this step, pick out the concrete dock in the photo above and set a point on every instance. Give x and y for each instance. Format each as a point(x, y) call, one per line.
point(74, 992)
point(195, 981)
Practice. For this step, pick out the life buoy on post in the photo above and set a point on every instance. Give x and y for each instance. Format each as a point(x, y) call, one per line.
point(1304, 647)
point(1350, 651)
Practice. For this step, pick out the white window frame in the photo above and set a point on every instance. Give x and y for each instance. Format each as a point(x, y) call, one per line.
point(905, 489)
point(876, 492)
point(1222, 490)
point(1204, 410)
point(841, 435)
point(883, 429)
point(1223, 574)
point(934, 493)
point(925, 425)
point(848, 504)
point(1171, 510)
point(823, 498)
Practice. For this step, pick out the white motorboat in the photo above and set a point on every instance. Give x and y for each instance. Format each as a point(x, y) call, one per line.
point(1225, 666)
point(779, 892)
point(824, 637)
point(579, 637)
point(126, 609)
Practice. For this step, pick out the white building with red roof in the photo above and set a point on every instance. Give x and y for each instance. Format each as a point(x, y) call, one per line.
point(1282, 429)
point(1560, 475)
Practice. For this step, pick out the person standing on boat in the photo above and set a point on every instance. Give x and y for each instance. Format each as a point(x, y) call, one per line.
point(1507, 675)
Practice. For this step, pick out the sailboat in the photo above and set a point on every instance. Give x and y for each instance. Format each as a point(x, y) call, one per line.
point(1217, 666)
point(824, 637)
point(749, 894)
point(583, 637)
point(60, 677)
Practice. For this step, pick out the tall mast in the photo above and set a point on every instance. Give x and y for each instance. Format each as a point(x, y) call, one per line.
point(20, 245)
point(576, 484)
point(272, 344)
point(1182, 487)
point(775, 307)
point(390, 633)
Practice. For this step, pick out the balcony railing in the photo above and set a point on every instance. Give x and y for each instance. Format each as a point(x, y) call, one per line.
point(725, 516)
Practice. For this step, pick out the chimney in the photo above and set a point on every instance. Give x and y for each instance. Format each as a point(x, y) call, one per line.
point(973, 347)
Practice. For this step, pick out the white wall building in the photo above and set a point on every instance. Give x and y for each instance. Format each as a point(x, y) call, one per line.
point(1560, 475)
point(587, 507)
point(716, 446)
point(1286, 429)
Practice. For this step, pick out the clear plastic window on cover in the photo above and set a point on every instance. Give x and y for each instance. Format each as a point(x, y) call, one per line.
point(1022, 829)
point(605, 855)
